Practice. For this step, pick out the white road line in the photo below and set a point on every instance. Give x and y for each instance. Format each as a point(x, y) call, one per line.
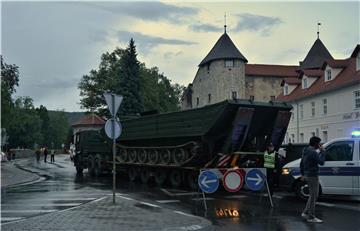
point(236, 196)
point(10, 218)
point(167, 192)
point(148, 204)
point(187, 194)
point(339, 206)
point(200, 199)
point(191, 227)
point(49, 204)
point(167, 201)
point(29, 211)
point(126, 198)
point(185, 214)
point(325, 204)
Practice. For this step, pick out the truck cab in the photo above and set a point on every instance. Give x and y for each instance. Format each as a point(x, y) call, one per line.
point(340, 175)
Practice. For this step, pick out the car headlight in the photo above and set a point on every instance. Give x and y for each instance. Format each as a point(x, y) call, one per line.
point(285, 171)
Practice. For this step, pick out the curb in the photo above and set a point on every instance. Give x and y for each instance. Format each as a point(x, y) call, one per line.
point(35, 179)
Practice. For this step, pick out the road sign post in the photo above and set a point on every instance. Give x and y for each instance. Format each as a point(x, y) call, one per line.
point(255, 181)
point(113, 101)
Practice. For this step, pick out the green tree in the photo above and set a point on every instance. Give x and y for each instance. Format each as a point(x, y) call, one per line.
point(58, 129)
point(45, 123)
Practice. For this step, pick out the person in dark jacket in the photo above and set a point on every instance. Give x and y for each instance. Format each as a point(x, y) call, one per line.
point(46, 152)
point(312, 157)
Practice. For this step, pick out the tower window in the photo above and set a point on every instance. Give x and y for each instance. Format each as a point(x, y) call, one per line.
point(328, 75)
point(252, 98)
point(234, 95)
point(209, 98)
point(229, 63)
point(197, 101)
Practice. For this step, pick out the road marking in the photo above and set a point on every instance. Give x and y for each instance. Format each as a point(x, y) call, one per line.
point(42, 205)
point(200, 199)
point(236, 196)
point(29, 211)
point(185, 214)
point(10, 218)
point(126, 198)
point(180, 193)
point(339, 206)
point(325, 204)
point(148, 204)
point(167, 201)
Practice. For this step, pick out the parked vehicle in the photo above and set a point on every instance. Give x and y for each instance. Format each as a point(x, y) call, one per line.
point(176, 145)
point(339, 175)
point(3, 157)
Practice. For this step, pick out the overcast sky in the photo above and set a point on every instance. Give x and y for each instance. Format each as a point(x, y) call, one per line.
point(56, 43)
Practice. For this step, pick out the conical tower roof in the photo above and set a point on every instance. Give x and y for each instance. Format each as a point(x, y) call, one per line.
point(316, 56)
point(224, 48)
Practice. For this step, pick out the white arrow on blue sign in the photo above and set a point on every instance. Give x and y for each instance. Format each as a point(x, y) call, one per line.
point(208, 181)
point(255, 179)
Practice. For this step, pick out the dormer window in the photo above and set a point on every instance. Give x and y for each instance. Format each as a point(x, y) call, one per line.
point(286, 89)
point(305, 83)
point(358, 62)
point(328, 75)
point(229, 63)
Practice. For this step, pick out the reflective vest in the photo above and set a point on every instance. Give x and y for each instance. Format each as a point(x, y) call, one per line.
point(269, 160)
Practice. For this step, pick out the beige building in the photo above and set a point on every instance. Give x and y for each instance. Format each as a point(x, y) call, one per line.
point(225, 74)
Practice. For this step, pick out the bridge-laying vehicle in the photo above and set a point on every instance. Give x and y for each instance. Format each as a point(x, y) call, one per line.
point(174, 146)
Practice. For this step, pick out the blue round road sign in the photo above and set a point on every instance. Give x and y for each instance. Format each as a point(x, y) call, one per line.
point(208, 181)
point(255, 179)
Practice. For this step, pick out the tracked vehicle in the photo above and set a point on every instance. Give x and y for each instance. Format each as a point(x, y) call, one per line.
point(175, 146)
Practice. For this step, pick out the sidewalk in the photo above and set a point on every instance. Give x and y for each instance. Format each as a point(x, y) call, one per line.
point(127, 214)
point(12, 176)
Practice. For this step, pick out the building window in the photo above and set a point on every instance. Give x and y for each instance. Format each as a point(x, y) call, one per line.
point(301, 109)
point(305, 83)
point(312, 109)
point(292, 138)
point(301, 137)
point(209, 98)
point(229, 63)
point(197, 101)
point(286, 90)
point(317, 132)
point(292, 116)
point(324, 106)
point(358, 63)
point(328, 75)
point(208, 68)
point(272, 98)
point(325, 136)
point(234, 95)
point(252, 98)
point(357, 99)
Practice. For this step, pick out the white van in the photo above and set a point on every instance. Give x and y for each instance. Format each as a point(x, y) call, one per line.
point(339, 175)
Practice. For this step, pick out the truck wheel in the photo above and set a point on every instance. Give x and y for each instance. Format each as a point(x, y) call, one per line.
point(160, 177)
point(133, 174)
point(97, 167)
point(132, 155)
point(179, 156)
point(192, 179)
point(301, 190)
point(79, 170)
point(142, 156)
point(165, 156)
point(175, 178)
point(91, 166)
point(144, 175)
point(153, 155)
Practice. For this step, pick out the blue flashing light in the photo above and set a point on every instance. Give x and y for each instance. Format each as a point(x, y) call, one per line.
point(355, 134)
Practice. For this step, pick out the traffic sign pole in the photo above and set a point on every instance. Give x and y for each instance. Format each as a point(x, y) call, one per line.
point(114, 146)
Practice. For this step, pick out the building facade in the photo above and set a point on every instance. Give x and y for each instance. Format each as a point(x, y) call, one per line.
point(325, 99)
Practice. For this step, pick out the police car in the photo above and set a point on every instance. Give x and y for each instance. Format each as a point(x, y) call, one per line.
point(340, 175)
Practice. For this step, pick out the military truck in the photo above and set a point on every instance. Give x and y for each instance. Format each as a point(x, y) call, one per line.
point(175, 146)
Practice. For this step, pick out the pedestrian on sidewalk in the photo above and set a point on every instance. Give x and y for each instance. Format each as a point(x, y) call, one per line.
point(45, 154)
point(37, 152)
point(312, 157)
point(52, 152)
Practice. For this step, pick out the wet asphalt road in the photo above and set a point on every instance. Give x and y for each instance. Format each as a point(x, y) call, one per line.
point(63, 189)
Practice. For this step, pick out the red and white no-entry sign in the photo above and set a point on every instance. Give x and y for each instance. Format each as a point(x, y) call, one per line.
point(233, 180)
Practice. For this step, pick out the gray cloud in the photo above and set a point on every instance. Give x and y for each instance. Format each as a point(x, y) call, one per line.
point(205, 28)
point(170, 55)
point(256, 23)
point(153, 11)
point(147, 42)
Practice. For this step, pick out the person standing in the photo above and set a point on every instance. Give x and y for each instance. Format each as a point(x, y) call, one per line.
point(52, 152)
point(269, 164)
point(38, 152)
point(312, 157)
point(45, 154)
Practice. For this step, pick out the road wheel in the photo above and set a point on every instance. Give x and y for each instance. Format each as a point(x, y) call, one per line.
point(165, 156)
point(122, 155)
point(132, 155)
point(142, 156)
point(179, 156)
point(160, 177)
point(153, 156)
point(302, 190)
point(97, 167)
point(144, 175)
point(175, 178)
point(91, 166)
point(133, 174)
point(192, 179)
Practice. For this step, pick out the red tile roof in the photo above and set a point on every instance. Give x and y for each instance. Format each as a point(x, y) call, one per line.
point(313, 72)
point(348, 76)
point(291, 81)
point(270, 70)
point(336, 63)
point(90, 119)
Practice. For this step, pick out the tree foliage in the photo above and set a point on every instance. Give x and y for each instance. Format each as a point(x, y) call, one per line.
point(120, 72)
